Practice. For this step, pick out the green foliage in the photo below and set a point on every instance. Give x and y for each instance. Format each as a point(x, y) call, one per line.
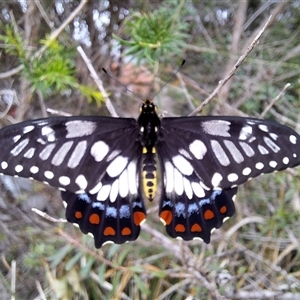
point(13, 42)
point(52, 71)
point(155, 36)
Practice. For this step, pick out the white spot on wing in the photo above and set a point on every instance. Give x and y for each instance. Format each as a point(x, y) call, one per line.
point(247, 149)
point(216, 127)
point(132, 178)
point(96, 188)
point(77, 154)
point(79, 128)
point(49, 133)
point(232, 177)
point(28, 128)
point(274, 136)
point(81, 182)
point(216, 179)
point(245, 133)
point(46, 152)
point(18, 168)
point(185, 153)
point(246, 171)
point(198, 148)
point(114, 191)
point(48, 174)
point(234, 151)
point(46, 130)
point(285, 160)
point(104, 193)
point(60, 155)
point(17, 150)
point(29, 153)
point(198, 190)
point(117, 166)
point(123, 184)
point(178, 182)
point(64, 180)
point(16, 138)
point(113, 154)
point(99, 150)
point(41, 141)
point(183, 165)
point(34, 169)
point(273, 164)
point(262, 150)
point(271, 144)
point(259, 166)
point(220, 153)
point(293, 139)
point(263, 127)
point(4, 165)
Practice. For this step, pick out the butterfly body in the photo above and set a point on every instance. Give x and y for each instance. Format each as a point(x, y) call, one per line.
point(105, 167)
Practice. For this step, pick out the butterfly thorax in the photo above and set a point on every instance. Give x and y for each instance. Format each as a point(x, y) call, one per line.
point(149, 124)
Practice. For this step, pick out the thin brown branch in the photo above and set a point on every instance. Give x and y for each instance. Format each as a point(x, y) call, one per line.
point(44, 14)
point(269, 20)
point(232, 72)
point(274, 100)
point(11, 72)
point(98, 81)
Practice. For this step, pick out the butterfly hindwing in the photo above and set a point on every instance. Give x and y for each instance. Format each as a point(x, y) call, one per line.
point(194, 217)
point(107, 221)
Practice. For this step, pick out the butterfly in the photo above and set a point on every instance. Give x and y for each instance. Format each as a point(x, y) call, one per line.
point(105, 167)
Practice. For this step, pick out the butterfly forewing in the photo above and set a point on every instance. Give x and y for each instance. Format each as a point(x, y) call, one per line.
point(224, 152)
point(69, 153)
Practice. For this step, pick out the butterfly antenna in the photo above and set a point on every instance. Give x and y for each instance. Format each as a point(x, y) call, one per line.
point(117, 81)
point(172, 77)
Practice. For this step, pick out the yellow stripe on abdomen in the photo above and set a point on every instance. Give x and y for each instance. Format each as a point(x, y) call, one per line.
point(149, 173)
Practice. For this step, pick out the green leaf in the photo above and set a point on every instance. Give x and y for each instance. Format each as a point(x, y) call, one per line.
point(141, 285)
point(57, 258)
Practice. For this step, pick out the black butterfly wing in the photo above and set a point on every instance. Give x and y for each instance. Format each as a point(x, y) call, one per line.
point(93, 160)
point(118, 221)
point(204, 159)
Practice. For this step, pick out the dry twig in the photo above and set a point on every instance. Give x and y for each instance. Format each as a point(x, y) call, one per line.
point(232, 72)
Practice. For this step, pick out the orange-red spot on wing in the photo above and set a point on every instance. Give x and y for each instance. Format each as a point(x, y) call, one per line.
point(138, 218)
point(126, 231)
point(180, 228)
point(196, 228)
point(223, 209)
point(78, 214)
point(208, 215)
point(109, 231)
point(167, 216)
point(94, 219)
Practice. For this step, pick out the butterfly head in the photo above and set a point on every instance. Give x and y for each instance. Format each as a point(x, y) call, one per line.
point(148, 107)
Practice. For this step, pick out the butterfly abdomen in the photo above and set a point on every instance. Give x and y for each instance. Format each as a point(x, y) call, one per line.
point(149, 172)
